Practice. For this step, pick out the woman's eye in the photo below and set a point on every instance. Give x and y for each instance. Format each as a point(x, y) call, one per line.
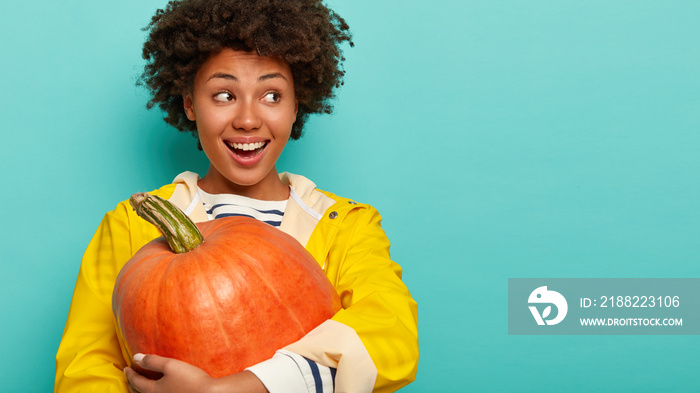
point(223, 96)
point(272, 96)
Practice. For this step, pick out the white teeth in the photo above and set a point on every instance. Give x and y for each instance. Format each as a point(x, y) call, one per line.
point(247, 146)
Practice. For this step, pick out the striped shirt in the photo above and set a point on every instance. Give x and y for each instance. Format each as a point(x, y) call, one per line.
point(228, 205)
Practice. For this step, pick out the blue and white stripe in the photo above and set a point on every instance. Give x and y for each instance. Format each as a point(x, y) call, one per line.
point(230, 205)
point(319, 378)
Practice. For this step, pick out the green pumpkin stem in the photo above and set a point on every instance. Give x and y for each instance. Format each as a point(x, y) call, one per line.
point(181, 233)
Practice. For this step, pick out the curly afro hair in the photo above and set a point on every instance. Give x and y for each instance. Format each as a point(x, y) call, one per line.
point(304, 33)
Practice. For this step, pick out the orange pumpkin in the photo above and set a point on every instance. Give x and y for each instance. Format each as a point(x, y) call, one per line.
point(247, 290)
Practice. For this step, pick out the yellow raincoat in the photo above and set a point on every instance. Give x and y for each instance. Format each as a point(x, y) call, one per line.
point(372, 341)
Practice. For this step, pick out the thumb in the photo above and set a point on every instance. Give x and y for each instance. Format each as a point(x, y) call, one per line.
point(151, 362)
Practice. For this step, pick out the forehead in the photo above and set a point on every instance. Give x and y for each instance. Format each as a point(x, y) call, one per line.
point(242, 65)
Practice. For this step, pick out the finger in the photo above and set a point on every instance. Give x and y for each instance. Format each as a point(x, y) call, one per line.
point(126, 377)
point(131, 389)
point(128, 371)
point(151, 362)
point(137, 382)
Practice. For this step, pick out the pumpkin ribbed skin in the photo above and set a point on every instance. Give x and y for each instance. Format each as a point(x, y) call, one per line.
point(246, 291)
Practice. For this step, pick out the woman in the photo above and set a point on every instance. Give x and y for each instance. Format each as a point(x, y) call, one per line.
point(243, 76)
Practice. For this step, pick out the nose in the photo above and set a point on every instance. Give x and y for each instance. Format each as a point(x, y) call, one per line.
point(246, 117)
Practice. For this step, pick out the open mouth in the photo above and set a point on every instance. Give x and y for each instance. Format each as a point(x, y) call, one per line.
point(247, 150)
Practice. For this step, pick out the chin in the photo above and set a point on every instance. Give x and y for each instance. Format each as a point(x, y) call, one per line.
point(245, 181)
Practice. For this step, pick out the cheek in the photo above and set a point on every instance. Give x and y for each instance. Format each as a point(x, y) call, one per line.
point(282, 121)
point(211, 122)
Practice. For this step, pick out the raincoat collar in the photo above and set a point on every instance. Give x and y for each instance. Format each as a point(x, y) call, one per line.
point(304, 210)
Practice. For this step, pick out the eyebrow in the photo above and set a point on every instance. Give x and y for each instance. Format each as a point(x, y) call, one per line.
point(222, 75)
point(271, 76)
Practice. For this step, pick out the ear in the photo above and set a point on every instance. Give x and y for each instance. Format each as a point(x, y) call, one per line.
point(296, 109)
point(189, 106)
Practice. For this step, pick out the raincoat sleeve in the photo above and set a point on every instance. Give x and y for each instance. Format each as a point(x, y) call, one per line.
point(89, 357)
point(373, 340)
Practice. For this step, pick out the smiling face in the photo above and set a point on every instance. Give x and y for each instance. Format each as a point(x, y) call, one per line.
point(244, 106)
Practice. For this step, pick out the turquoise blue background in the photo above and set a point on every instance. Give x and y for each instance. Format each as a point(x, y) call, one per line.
point(497, 138)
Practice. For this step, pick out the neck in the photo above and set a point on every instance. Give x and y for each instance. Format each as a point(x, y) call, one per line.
point(270, 188)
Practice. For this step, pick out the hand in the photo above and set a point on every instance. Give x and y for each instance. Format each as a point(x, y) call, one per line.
point(181, 377)
point(177, 377)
